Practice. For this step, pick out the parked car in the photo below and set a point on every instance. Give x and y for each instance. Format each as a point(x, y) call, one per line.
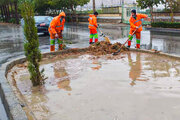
point(42, 23)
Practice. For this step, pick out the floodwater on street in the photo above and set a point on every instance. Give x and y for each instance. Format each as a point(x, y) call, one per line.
point(138, 86)
point(167, 42)
point(11, 40)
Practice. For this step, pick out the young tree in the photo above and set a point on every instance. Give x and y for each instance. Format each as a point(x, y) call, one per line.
point(177, 6)
point(149, 4)
point(173, 5)
point(170, 5)
point(31, 45)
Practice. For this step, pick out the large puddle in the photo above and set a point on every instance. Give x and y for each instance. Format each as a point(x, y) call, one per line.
point(11, 42)
point(132, 86)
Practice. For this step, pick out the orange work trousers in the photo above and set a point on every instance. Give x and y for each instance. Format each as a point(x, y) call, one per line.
point(138, 38)
point(59, 40)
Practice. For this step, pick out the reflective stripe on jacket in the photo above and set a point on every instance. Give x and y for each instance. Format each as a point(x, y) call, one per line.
point(56, 26)
point(138, 22)
point(92, 22)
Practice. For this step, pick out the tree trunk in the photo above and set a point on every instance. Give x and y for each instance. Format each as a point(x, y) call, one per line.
point(8, 13)
point(2, 9)
point(94, 6)
point(72, 13)
point(16, 12)
point(5, 13)
point(2, 13)
point(165, 5)
point(76, 15)
point(151, 11)
point(12, 11)
point(171, 8)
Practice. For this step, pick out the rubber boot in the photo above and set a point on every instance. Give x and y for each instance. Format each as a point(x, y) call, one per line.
point(60, 47)
point(96, 40)
point(129, 44)
point(52, 48)
point(138, 46)
point(90, 41)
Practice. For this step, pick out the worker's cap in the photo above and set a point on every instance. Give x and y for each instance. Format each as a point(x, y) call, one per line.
point(133, 11)
point(62, 14)
point(96, 13)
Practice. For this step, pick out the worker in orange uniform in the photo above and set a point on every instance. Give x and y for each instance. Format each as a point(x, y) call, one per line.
point(55, 29)
point(136, 23)
point(93, 27)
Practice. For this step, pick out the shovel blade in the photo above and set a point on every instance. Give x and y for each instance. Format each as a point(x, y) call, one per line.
point(107, 39)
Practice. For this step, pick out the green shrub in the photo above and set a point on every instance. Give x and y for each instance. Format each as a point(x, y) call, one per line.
point(12, 20)
point(1, 19)
point(166, 24)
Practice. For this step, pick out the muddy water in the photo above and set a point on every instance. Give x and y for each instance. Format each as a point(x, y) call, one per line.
point(11, 40)
point(136, 87)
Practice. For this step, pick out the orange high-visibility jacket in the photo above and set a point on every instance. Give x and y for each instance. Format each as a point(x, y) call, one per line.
point(136, 23)
point(56, 26)
point(92, 22)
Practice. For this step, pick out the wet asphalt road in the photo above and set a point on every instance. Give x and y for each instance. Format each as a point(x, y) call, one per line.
point(11, 41)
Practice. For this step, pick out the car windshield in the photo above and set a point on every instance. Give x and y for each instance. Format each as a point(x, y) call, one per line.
point(39, 19)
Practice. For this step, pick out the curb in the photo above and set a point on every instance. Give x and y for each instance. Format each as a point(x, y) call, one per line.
point(11, 103)
point(156, 53)
point(163, 29)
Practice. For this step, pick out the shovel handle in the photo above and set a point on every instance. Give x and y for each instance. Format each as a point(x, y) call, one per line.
point(115, 53)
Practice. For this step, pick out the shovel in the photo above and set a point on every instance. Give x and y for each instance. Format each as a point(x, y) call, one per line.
point(105, 37)
point(116, 53)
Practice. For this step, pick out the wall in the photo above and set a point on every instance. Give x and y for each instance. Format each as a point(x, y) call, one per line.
point(166, 16)
point(102, 18)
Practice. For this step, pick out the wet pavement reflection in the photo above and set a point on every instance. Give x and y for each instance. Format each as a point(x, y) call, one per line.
point(138, 86)
point(162, 41)
point(11, 43)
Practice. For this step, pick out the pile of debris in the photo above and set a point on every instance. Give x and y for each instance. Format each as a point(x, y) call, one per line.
point(103, 48)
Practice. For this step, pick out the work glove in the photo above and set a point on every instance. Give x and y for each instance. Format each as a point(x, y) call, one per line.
point(56, 35)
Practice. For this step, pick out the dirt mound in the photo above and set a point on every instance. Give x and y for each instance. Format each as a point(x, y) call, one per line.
point(103, 48)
